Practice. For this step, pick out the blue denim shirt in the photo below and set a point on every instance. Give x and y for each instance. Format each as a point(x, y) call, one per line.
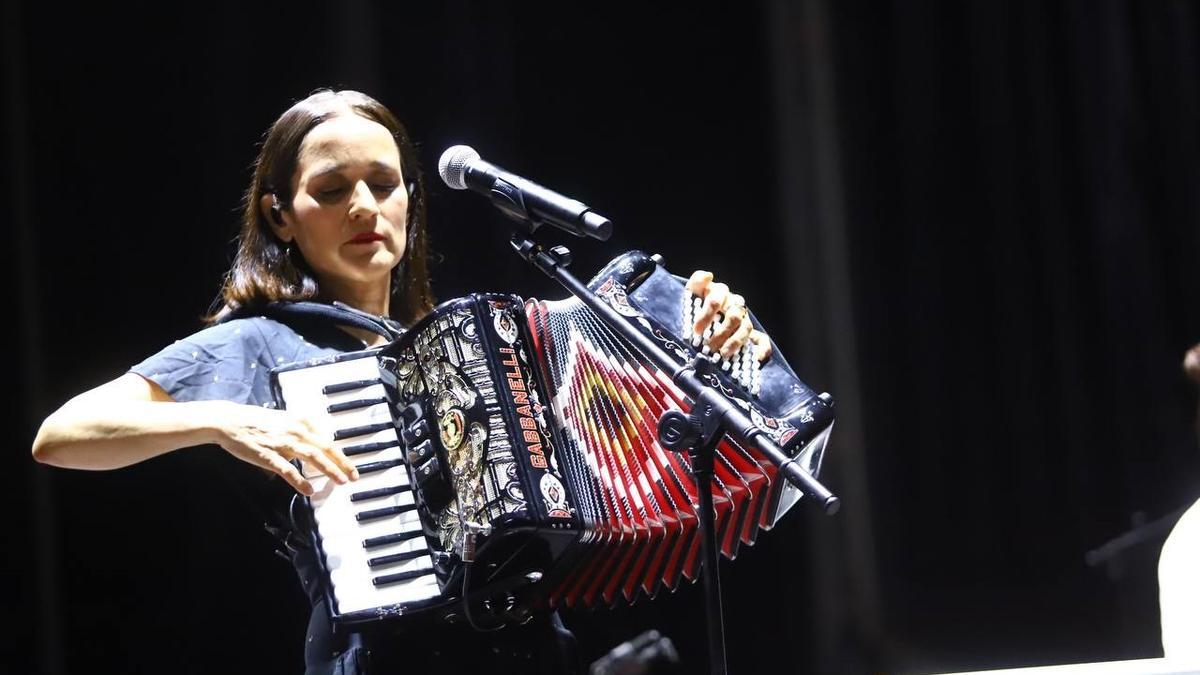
point(232, 361)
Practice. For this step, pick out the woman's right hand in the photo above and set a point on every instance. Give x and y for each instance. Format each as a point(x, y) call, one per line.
point(271, 439)
point(131, 419)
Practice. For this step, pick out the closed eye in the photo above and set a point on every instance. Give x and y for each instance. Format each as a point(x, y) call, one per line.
point(334, 194)
point(331, 194)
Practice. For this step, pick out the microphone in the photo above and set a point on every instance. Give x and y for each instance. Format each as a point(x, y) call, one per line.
point(519, 198)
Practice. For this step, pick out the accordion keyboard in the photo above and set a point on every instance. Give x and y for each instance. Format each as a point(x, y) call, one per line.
point(369, 530)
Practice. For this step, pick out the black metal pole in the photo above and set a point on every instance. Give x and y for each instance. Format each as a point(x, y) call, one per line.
point(702, 469)
point(697, 434)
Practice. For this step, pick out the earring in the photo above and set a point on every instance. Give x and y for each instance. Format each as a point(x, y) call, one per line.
point(276, 209)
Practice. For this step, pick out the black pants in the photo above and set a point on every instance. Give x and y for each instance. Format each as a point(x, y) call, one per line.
point(543, 646)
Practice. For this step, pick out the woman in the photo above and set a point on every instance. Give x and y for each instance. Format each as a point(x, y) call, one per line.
point(335, 213)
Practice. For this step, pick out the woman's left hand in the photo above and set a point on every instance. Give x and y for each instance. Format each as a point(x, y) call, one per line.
point(735, 330)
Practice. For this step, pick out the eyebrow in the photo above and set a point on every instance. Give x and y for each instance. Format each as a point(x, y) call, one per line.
point(335, 168)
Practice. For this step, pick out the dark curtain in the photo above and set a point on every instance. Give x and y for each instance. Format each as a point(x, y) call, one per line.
point(1020, 197)
point(974, 223)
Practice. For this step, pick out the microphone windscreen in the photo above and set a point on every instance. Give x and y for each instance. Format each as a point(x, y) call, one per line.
point(452, 167)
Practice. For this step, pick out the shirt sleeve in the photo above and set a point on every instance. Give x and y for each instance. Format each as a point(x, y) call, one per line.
point(229, 361)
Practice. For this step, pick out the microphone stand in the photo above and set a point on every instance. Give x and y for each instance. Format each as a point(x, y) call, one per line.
point(697, 433)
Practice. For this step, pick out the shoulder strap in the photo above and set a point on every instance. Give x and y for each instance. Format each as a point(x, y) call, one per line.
point(338, 313)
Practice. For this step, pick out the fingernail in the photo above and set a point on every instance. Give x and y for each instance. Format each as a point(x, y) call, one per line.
point(354, 474)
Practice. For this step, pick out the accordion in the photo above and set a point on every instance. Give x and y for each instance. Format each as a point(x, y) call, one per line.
point(509, 456)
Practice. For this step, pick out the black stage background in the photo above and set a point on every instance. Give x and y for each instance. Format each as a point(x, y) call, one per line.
point(976, 224)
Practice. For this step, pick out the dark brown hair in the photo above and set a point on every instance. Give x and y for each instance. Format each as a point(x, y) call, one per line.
point(265, 269)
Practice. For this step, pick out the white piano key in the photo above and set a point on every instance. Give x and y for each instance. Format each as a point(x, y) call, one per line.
point(349, 552)
point(393, 475)
point(358, 572)
point(335, 526)
point(354, 590)
point(347, 556)
point(352, 600)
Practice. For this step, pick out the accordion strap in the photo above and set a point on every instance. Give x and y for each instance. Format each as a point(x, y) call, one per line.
point(338, 313)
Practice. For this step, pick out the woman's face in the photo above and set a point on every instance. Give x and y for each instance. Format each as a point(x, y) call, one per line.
point(350, 208)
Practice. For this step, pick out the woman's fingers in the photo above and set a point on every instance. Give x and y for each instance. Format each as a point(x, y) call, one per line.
point(290, 473)
point(734, 318)
point(698, 283)
point(714, 302)
point(317, 457)
point(344, 462)
point(271, 439)
point(762, 345)
point(331, 457)
point(735, 343)
point(735, 328)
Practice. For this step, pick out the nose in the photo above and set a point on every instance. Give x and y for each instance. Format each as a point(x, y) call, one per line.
point(362, 203)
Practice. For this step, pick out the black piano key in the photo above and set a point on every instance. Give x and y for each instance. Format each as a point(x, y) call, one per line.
point(395, 558)
point(377, 493)
point(362, 448)
point(396, 538)
point(342, 434)
point(371, 467)
point(355, 405)
point(348, 386)
point(372, 514)
point(399, 576)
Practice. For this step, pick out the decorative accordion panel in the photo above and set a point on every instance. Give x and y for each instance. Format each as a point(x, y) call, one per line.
point(466, 371)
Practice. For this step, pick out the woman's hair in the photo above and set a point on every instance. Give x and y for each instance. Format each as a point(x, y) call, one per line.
point(267, 270)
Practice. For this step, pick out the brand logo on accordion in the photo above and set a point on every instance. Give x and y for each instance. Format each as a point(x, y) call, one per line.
point(526, 415)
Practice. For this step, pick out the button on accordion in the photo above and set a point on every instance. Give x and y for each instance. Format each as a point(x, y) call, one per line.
point(509, 455)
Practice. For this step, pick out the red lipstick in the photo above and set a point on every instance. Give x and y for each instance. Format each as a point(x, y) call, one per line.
point(366, 238)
